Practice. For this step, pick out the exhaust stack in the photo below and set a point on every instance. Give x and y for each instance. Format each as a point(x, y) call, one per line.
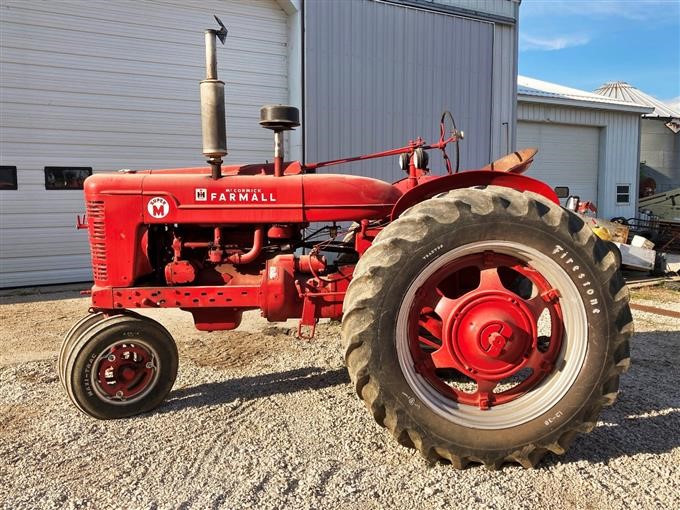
point(213, 118)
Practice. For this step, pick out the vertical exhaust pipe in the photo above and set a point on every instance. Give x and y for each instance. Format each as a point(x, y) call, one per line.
point(213, 118)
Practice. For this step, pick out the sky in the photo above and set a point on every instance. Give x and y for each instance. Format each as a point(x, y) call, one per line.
point(584, 43)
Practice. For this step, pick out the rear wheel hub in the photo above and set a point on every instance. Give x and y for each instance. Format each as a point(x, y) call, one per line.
point(489, 333)
point(478, 316)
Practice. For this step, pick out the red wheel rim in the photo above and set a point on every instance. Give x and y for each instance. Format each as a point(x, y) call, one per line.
point(126, 371)
point(476, 319)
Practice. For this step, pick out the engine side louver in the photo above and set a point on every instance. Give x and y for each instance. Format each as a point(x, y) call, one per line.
point(96, 220)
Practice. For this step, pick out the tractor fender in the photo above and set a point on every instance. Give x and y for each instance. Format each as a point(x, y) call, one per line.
point(468, 179)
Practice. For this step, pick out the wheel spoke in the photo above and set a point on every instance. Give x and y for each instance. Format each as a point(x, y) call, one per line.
point(540, 362)
point(441, 358)
point(484, 394)
point(428, 342)
point(536, 305)
point(489, 279)
point(428, 297)
point(431, 324)
point(445, 307)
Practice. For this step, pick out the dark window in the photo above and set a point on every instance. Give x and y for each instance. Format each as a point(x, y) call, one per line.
point(8, 177)
point(622, 194)
point(66, 177)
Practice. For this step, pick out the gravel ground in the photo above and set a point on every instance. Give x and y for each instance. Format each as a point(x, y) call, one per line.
point(258, 419)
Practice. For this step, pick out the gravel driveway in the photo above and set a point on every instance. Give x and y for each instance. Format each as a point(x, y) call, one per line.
point(258, 419)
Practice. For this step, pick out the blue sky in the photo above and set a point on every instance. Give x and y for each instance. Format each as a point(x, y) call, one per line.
point(582, 44)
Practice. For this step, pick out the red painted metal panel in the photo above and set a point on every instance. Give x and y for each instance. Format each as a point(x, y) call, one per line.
point(468, 179)
point(234, 296)
point(338, 197)
point(198, 199)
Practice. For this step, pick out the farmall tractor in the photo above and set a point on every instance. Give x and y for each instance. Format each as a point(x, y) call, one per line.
point(481, 321)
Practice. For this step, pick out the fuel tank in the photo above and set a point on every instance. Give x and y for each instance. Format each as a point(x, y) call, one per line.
point(186, 196)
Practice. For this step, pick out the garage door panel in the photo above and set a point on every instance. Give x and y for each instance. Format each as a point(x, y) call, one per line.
point(236, 69)
point(140, 85)
point(163, 24)
point(568, 155)
point(565, 151)
point(12, 277)
point(166, 17)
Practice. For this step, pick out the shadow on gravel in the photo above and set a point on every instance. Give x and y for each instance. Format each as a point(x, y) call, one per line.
point(251, 388)
point(643, 420)
point(646, 417)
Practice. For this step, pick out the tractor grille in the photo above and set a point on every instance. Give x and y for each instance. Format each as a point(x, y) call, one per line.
point(95, 219)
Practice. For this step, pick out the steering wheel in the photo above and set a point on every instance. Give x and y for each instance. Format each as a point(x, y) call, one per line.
point(442, 138)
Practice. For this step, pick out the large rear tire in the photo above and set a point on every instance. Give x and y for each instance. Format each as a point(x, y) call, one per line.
point(487, 325)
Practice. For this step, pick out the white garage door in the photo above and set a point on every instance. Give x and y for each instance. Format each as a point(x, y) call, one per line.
point(567, 156)
point(112, 85)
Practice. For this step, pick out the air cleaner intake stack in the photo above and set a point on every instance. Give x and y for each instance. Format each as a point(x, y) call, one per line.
point(279, 118)
point(213, 118)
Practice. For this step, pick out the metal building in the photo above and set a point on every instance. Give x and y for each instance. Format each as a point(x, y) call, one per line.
point(378, 74)
point(660, 135)
point(90, 87)
point(587, 142)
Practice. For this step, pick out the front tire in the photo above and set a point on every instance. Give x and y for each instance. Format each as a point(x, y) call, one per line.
point(71, 336)
point(118, 365)
point(487, 325)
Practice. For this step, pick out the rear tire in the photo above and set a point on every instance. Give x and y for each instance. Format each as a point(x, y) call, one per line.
point(118, 366)
point(589, 315)
point(616, 251)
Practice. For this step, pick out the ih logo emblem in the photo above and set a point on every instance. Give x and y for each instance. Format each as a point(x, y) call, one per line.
point(201, 194)
point(158, 207)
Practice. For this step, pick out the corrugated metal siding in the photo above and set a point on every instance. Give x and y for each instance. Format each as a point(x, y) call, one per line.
point(504, 90)
point(506, 8)
point(660, 152)
point(504, 104)
point(115, 85)
point(618, 149)
point(377, 75)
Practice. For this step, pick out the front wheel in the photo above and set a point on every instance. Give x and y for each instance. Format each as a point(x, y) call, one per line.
point(119, 365)
point(487, 325)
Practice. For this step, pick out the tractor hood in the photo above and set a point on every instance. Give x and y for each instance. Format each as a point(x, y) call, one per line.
point(192, 196)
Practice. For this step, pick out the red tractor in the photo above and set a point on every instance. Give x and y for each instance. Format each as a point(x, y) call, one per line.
point(481, 321)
